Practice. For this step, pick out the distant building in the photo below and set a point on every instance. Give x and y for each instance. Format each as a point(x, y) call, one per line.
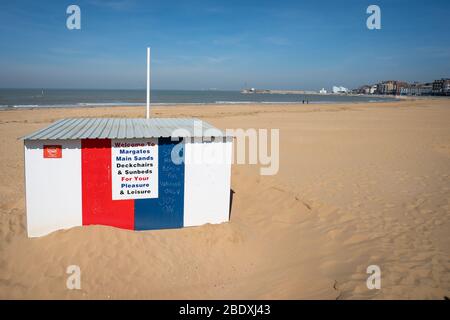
point(441, 87)
point(401, 88)
point(386, 87)
point(420, 89)
point(405, 90)
point(366, 89)
point(339, 89)
point(446, 87)
point(322, 91)
point(426, 89)
point(414, 89)
point(393, 87)
point(363, 90)
point(437, 86)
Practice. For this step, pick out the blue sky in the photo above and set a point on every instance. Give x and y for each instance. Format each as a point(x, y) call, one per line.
point(222, 44)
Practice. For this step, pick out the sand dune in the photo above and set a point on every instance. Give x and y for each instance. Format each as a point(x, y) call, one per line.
point(359, 184)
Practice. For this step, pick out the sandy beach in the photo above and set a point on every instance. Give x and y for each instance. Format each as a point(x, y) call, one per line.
point(359, 184)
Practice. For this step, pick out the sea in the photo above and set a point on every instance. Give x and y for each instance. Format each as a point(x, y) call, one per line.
point(42, 98)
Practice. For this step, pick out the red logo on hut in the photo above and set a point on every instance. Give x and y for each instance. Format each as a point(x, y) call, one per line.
point(52, 152)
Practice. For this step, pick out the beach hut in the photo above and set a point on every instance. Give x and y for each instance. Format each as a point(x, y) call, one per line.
point(137, 174)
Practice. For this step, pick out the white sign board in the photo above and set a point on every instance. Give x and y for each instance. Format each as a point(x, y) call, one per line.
point(134, 168)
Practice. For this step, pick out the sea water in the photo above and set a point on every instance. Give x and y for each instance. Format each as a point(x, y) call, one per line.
point(16, 98)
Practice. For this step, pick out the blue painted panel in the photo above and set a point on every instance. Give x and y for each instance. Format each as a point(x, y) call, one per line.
point(166, 211)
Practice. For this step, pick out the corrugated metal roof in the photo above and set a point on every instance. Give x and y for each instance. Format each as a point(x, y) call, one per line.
point(123, 128)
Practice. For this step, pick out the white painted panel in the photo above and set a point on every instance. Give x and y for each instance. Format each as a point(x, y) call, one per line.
point(207, 182)
point(53, 187)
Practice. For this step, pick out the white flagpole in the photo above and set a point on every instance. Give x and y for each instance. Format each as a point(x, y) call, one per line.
point(148, 82)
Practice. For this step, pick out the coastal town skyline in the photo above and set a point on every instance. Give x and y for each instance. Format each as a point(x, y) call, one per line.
point(438, 87)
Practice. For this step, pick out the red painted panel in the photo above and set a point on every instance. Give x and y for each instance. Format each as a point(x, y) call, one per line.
point(98, 206)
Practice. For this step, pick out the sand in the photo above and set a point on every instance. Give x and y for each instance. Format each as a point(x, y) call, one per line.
point(359, 185)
